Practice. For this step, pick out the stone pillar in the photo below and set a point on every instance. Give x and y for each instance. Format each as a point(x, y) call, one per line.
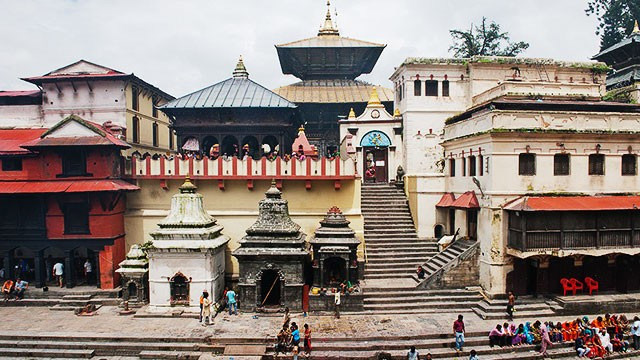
point(321, 267)
point(68, 268)
point(8, 264)
point(40, 274)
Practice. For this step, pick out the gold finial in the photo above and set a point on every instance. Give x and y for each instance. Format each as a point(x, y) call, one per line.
point(240, 71)
point(352, 114)
point(301, 129)
point(374, 99)
point(187, 186)
point(636, 29)
point(396, 113)
point(328, 29)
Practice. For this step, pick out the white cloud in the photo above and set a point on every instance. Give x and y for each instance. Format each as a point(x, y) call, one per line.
point(182, 46)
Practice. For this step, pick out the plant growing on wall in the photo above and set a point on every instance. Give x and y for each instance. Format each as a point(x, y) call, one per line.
point(485, 40)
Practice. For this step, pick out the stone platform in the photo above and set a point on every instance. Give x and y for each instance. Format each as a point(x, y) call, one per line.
point(601, 303)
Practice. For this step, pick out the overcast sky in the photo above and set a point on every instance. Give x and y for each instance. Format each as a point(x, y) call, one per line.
point(184, 45)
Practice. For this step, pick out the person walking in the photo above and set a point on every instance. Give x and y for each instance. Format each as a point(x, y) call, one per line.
point(58, 271)
point(511, 303)
point(231, 300)
point(201, 302)
point(413, 354)
point(287, 317)
point(635, 333)
point(206, 309)
point(546, 341)
point(307, 339)
point(458, 331)
point(336, 302)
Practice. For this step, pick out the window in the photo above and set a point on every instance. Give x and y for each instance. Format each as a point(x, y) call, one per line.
point(12, 164)
point(417, 88)
point(452, 167)
point(171, 139)
point(155, 134)
point(76, 218)
point(154, 107)
point(481, 165)
point(445, 88)
point(74, 163)
point(431, 88)
point(527, 164)
point(134, 98)
point(629, 164)
point(561, 164)
point(135, 127)
point(464, 167)
point(472, 166)
point(596, 164)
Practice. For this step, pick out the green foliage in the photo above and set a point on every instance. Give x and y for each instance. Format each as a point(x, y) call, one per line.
point(616, 19)
point(484, 40)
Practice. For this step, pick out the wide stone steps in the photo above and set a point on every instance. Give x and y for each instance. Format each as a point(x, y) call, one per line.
point(14, 353)
point(416, 244)
point(423, 300)
point(525, 308)
point(391, 254)
point(411, 265)
point(398, 275)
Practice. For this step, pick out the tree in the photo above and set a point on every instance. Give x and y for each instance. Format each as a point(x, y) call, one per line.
point(616, 19)
point(486, 39)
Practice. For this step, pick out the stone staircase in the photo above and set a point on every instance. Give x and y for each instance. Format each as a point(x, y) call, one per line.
point(526, 307)
point(66, 299)
point(445, 260)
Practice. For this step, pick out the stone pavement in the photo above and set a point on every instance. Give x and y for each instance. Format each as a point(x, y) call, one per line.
point(41, 320)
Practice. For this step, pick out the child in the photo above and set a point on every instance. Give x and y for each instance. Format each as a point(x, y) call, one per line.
point(473, 355)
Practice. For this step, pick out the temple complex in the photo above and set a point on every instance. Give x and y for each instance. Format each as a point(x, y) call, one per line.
point(624, 59)
point(272, 258)
point(235, 117)
point(328, 65)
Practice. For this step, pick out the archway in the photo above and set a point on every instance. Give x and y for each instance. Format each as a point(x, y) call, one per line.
point(270, 288)
point(254, 150)
point(272, 143)
point(375, 146)
point(132, 291)
point(179, 286)
point(207, 143)
point(230, 146)
point(335, 271)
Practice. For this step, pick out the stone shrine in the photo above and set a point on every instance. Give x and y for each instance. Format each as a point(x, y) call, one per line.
point(187, 255)
point(134, 277)
point(272, 258)
point(335, 249)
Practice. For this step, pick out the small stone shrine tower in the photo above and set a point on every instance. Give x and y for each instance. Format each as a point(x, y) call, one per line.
point(272, 258)
point(335, 249)
point(187, 255)
point(134, 272)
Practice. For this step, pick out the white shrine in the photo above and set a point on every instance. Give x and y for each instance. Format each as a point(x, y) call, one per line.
point(187, 256)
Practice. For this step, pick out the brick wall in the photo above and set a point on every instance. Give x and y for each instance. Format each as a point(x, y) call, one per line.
point(465, 274)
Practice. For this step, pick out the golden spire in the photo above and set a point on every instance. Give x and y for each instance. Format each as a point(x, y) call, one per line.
point(396, 113)
point(327, 29)
point(240, 71)
point(352, 114)
point(636, 29)
point(374, 99)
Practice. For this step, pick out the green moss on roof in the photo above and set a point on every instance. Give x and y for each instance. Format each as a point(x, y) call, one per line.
point(597, 67)
point(542, 131)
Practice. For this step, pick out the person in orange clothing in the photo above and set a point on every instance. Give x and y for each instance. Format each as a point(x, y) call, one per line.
point(7, 289)
point(598, 323)
point(566, 331)
point(202, 297)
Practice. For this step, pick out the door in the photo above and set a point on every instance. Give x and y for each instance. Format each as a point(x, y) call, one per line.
point(376, 164)
point(472, 224)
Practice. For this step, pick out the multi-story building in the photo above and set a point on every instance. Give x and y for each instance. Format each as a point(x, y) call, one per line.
point(95, 93)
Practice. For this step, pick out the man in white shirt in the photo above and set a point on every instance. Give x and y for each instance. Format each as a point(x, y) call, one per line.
point(88, 271)
point(605, 339)
point(58, 271)
point(336, 301)
point(635, 333)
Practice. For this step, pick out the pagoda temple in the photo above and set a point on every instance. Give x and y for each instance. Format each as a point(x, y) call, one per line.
point(328, 65)
point(624, 58)
point(235, 117)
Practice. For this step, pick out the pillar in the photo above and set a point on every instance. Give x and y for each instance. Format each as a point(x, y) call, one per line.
point(68, 268)
point(542, 281)
point(40, 277)
point(8, 264)
point(96, 268)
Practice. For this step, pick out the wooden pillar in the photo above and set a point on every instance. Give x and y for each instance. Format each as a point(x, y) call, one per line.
point(40, 276)
point(8, 264)
point(96, 267)
point(542, 281)
point(68, 268)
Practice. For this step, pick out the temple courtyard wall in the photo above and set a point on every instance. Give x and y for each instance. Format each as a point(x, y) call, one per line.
point(236, 208)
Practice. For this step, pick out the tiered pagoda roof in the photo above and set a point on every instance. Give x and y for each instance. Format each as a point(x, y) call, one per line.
point(624, 58)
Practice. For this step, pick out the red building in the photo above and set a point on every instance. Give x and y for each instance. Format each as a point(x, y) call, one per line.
point(62, 200)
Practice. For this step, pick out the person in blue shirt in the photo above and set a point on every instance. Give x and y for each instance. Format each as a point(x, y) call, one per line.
point(295, 334)
point(21, 287)
point(231, 300)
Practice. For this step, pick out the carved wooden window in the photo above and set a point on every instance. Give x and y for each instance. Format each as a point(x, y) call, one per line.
point(12, 164)
point(445, 88)
point(561, 164)
point(596, 164)
point(135, 130)
point(135, 94)
point(480, 165)
point(76, 218)
point(74, 163)
point(629, 164)
point(464, 167)
point(155, 134)
point(472, 166)
point(452, 167)
point(527, 164)
point(417, 88)
point(154, 107)
point(171, 139)
point(431, 88)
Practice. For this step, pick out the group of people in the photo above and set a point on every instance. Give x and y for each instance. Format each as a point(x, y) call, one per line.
point(288, 338)
point(228, 300)
point(413, 354)
point(592, 339)
point(16, 290)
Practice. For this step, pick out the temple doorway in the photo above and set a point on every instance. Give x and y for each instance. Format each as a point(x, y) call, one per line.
point(270, 288)
point(179, 286)
point(472, 224)
point(375, 164)
point(335, 271)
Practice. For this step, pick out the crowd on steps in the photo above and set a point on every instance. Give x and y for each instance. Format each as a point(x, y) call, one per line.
point(592, 339)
